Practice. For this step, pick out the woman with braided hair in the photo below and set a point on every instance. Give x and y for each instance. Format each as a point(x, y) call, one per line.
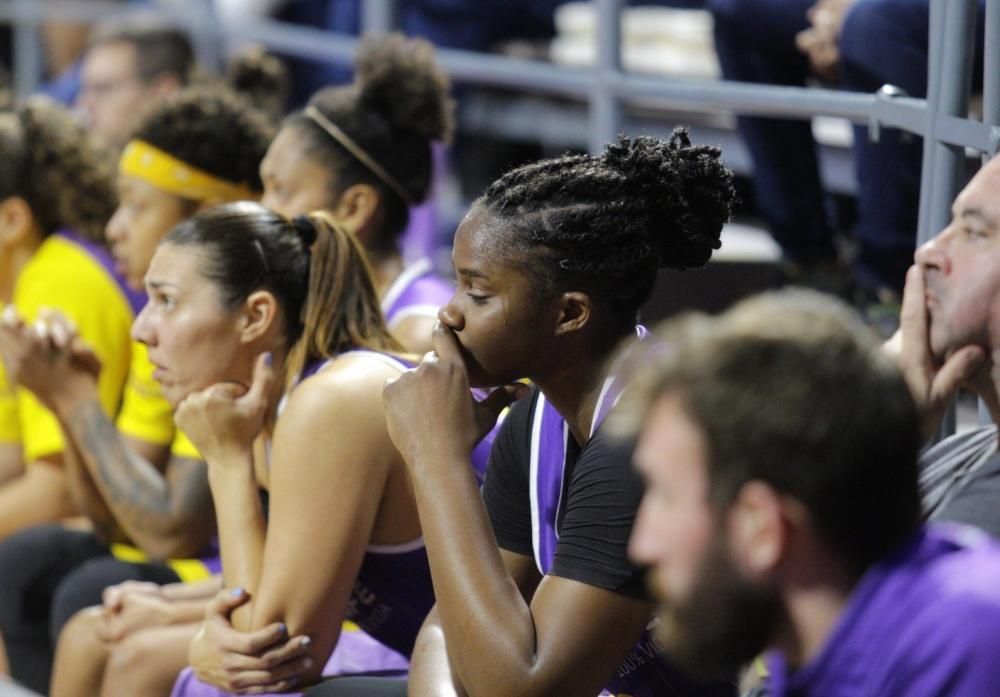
point(363, 152)
point(535, 595)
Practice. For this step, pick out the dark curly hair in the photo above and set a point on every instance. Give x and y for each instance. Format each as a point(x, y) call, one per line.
point(49, 160)
point(261, 78)
point(396, 107)
point(607, 223)
point(213, 129)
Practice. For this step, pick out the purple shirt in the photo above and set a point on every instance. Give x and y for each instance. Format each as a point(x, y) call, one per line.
point(417, 292)
point(923, 623)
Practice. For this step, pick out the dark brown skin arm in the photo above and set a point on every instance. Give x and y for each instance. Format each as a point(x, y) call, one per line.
point(567, 640)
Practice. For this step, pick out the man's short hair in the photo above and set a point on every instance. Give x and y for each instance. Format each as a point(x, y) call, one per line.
point(161, 48)
point(790, 388)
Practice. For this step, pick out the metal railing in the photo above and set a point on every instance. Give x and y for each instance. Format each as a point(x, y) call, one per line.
point(607, 89)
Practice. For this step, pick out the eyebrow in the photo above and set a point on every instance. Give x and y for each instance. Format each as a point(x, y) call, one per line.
point(471, 273)
point(976, 213)
point(159, 285)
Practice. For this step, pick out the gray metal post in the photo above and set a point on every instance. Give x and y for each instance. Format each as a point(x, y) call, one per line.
point(991, 65)
point(29, 63)
point(605, 106)
point(949, 81)
point(378, 16)
point(202, 22)
point(953, 23)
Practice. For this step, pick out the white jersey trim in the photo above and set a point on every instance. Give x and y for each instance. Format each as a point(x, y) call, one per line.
point(403, 281)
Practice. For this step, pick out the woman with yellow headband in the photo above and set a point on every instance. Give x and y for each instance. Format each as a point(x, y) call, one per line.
point(144, 482)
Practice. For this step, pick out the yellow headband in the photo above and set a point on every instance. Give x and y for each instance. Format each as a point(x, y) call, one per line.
point(143, 161)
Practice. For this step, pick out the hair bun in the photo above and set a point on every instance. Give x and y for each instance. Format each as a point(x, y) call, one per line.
point(305, 229)
point(687, 193)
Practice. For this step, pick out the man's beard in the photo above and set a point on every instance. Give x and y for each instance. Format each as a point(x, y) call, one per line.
point(723, 624)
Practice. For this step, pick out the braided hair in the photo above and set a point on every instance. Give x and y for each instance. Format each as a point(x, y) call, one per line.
point(396, 107)
point(607, 223)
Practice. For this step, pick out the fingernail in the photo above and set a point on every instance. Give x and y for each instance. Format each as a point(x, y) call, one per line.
point(236, 592)
point(268, 358)
point(282, 628)
point(308, 663)
point(306, 641)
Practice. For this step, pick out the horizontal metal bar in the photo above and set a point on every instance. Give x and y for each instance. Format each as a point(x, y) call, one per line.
point(579, 83)
point(954, 130)
point(38, 12)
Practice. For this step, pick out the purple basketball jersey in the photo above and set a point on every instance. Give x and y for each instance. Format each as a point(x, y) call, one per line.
point(417, 292)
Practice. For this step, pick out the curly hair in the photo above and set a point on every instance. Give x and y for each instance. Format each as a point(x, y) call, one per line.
point(262, 79)
point(396, 107)
point(213, 129)
point(607, 223)
point(49, 160)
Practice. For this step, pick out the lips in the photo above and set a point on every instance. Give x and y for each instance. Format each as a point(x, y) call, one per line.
point(159, 372)
point(119, 259)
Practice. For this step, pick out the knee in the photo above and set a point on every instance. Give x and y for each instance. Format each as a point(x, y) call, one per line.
point(82, 630)
point(865, 20)
point(886, 37)
point(132, 665)
point(751, 13)
point(84, 588)
point(80, 640)
point(731, 11)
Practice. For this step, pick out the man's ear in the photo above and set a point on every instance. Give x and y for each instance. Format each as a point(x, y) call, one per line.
point(758, 528)
point(260, 312)
point(16, 220)
point(574, 312)
point(356, 210)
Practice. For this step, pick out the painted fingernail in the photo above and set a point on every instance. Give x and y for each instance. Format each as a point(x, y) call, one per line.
point(308, 663)
point(306, 641)
point(236, 592)
point(268, 358)
point(282, 628)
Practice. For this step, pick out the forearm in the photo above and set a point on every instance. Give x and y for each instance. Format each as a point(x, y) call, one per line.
point(188, 611)
point(242, 531)
point(144, 504)
point(87, 497)
point(490, 630)
point(197, 590)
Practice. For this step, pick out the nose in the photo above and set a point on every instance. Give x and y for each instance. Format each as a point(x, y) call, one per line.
point(933, 254)
point(115, 229)
point(450, 316)
point(142, 328)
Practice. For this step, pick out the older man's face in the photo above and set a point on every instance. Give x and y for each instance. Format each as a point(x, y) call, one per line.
point(112, 93)
point(962, 269)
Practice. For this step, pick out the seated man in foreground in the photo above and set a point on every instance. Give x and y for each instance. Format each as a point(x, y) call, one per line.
point(782, 512)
